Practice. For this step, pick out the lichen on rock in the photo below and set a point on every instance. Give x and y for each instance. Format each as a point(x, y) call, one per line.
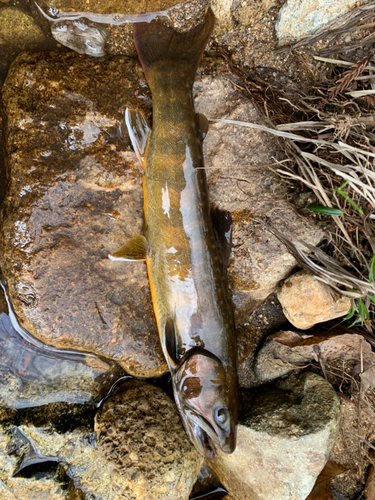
point(134, 434)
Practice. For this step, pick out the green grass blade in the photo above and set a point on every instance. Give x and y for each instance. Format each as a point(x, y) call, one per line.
point(351, 312)
point(372, 270)
point(353, 204)
point(335, 212)
point(362, 311)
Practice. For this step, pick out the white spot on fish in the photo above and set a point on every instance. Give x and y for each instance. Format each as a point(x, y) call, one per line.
point(165, 200)
point(172, 250)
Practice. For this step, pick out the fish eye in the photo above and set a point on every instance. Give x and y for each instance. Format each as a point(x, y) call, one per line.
point(221, 415)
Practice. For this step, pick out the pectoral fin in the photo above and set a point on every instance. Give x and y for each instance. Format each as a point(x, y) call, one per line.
point(171, 343)
point(138, 130)
point(134, 249)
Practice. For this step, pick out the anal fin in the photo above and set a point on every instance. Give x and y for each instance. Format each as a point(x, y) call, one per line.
point(134, 249)
point(138, 130)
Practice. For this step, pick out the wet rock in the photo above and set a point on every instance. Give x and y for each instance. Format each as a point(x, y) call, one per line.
point(285, 434)
point(17, 27)
point(240, 183)
point(74, 196)
point(307, 301)
point(81, 471)
point(109, 29)
point(33, 376)
point(141, 451)
point(298, 19)
point(140, 433)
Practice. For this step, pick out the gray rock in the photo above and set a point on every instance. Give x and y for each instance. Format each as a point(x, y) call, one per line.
point(299, 18)
point(275, 359)
point(239, 182)
point(140, 433)
point(307, 301)
point(285, 434)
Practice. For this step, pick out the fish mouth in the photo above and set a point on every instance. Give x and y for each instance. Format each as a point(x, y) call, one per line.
point(204, 436)
point(203, 442)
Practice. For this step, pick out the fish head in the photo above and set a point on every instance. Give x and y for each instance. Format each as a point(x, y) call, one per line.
point(206, 395)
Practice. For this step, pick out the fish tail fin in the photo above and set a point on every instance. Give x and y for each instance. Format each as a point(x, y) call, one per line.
point(155, 42)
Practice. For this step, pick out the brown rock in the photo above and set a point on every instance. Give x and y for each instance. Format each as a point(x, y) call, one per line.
point(75, 195)
point(307, 301)
point(285, 434)
point(140, 433)
point(16, 22)
point(277, 358)
point(239, 182)
point(86, 471)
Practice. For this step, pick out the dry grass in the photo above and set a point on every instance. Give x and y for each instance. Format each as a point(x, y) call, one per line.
point(326, 132)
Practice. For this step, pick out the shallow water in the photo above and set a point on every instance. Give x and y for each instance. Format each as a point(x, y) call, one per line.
point(32, 374)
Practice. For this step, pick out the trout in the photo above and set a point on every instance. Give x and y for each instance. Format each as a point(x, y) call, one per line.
point(185, 267)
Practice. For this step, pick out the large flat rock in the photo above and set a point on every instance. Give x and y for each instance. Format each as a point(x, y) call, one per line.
point(75, 195)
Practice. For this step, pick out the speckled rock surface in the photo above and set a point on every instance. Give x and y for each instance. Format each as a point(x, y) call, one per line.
point(351, 448)
point(240, 183)
point(147, 459)
point(74, 196)
point(83, 469)
point(299, 18)
point(275, 359)
point(16, 23)
point(285, 434)
point(307, 301)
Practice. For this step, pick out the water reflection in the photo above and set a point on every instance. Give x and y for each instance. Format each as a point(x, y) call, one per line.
point(32, 374)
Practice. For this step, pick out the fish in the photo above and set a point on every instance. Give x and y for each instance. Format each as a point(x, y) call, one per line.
point(185, 266)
